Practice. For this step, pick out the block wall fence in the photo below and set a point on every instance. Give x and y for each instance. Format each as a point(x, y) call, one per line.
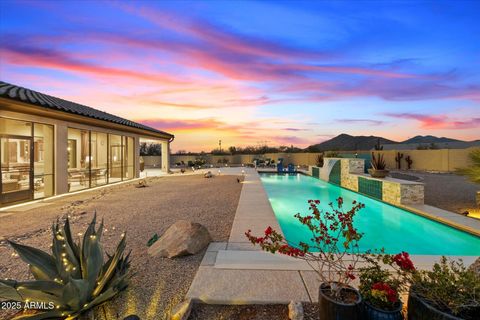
point(442, 160)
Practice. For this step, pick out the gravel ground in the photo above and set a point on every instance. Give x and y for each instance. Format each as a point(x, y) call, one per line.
point(448, 191)
point(249, 312)
point(158, 283)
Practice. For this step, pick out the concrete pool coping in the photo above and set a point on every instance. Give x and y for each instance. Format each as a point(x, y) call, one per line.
point(236, 272)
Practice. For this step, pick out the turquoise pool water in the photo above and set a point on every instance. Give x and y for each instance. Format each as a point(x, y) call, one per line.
point(384, 226)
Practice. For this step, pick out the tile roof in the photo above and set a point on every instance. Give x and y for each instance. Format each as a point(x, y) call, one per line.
point(13, 92)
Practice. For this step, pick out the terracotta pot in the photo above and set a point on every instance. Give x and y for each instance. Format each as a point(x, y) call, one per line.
point(373, 313)
point(330, 309)
point(378, 173)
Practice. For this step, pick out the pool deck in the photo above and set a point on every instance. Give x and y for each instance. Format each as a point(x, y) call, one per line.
point(236, 272)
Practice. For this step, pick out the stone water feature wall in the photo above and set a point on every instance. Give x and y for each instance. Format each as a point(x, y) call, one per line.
point(394, 191)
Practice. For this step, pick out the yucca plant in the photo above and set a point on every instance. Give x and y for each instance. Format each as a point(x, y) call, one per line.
point(74, 278)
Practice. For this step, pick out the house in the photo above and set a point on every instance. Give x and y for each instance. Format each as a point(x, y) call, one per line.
point(50, 146)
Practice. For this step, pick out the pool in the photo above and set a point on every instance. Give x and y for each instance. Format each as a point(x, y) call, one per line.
point(383, 225)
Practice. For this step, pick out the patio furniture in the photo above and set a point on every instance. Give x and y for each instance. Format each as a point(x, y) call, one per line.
point(9, 185)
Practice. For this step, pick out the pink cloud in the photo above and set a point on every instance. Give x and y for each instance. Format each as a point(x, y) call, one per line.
point(437, 121)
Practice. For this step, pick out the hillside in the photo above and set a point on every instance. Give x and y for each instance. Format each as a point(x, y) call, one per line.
point(346, 142)
point(430, 139)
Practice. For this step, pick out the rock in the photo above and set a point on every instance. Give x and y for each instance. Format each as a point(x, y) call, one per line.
point(295, 310)
point(181, 238)
point(182, 310)
point(208, 175)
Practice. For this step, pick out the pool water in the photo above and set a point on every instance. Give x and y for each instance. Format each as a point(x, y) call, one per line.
point(383, 225)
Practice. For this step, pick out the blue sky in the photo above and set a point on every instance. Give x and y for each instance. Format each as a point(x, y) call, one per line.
point(287, 72)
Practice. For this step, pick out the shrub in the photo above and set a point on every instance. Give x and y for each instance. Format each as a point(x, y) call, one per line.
point(74, 277)
point(382, 288)
point(320, 160)
point(450, 287)
point(334, 240)
point(473, 171)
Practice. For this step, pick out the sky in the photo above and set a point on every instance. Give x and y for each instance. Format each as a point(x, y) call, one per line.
point(255, 72)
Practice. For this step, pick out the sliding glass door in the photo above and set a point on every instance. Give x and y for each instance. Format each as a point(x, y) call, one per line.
point(16, 154)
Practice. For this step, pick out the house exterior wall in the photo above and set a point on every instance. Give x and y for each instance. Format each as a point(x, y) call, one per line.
point(61, 142)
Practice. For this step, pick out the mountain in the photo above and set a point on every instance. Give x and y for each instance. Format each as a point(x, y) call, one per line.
point(346, 142)
point(430, 139)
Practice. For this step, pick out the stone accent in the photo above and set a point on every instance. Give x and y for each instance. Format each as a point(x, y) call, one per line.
point(181, 238)
point(391, 192)
point(412, 194)
point(295, 310)
point(350, 167)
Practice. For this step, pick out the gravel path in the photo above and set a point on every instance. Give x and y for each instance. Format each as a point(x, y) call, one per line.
point(159, 283)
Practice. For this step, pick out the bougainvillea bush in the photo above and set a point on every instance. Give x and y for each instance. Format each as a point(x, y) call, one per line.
point(333, 252)
point(381, 287)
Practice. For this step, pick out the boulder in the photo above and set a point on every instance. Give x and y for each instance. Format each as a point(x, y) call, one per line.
point(181, 238)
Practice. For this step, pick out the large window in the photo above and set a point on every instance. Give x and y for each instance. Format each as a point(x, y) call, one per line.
point(27, 160)
point(116, 158)
point(78, 151)
point(129, 158)
point(43, 161)
point(96, 158)
point(99, 158)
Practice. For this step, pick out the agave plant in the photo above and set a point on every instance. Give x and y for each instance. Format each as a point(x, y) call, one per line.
point(378, 163)
point(74, 278)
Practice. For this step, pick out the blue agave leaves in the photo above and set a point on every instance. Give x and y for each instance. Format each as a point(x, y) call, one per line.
point(74, 277)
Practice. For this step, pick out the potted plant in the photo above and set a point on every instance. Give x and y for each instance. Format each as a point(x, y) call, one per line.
point(332, 252)
point(381, 288)
point(449, 291)
point(379, 166)
point(320, 160)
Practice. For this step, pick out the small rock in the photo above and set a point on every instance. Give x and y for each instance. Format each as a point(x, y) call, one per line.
point(208, 175)
point(182, 310)
point(181, 238)
point(295, 310)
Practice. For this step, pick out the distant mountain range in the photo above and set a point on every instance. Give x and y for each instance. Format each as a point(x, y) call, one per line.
point(346, 142)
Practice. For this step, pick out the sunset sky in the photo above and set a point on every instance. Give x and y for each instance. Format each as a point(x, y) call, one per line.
point(249, 72)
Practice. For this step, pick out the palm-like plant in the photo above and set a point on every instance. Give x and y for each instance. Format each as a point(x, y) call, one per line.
point(75, 277)
point(473, 172)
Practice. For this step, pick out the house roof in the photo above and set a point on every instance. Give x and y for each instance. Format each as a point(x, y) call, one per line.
point(17, 93)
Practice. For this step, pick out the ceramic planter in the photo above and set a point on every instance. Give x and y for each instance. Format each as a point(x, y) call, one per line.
point(330, 309)
point(378, 173)
point(418, 309)
point(372, 313)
